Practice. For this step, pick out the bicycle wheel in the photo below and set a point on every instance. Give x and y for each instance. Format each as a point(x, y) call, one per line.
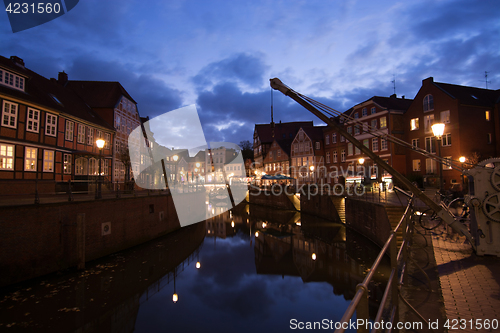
point(429, 220)
point(458, 207)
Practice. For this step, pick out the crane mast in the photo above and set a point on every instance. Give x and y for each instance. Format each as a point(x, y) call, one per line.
point(443, 213)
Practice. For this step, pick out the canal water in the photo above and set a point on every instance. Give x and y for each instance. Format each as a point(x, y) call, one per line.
point(252, 269)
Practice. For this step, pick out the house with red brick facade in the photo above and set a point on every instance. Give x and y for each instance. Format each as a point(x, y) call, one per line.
point(307, 153)
point(471, 129)
point(47, 133)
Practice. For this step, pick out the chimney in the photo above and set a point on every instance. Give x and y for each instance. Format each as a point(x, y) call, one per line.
point(393, 96)
point(18, 61)
point(62, 78)
point(428, 80)
point(403, 97)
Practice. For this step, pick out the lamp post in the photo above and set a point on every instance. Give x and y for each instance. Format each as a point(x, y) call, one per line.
point(100, 144)
point(175, 170)
point(438, 130)
point(311, 175)
point(462, 160)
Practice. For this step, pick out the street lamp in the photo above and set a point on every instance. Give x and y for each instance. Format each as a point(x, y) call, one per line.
point(462, 160)
point(311, 175)
point(438, 130)
point(100, 144)
point(175, 170)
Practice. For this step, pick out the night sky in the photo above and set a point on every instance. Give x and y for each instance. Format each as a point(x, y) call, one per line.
point(220, 55)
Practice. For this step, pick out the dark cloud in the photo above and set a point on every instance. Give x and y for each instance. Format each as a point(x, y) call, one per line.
point(240, 68)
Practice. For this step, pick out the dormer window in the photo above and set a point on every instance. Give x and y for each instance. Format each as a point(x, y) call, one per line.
point(428, 103)
point(11, 80)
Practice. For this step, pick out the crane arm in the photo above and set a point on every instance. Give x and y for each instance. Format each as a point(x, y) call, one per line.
point(440, 211)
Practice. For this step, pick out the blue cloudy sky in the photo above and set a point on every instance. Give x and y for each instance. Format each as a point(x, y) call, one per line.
point(220, 55)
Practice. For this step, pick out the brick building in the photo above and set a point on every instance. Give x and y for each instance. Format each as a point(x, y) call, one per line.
point(307, 154)
point(47, 133)
point(471, 118)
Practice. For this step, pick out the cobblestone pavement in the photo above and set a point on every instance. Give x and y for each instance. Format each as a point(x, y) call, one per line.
point(470, 284)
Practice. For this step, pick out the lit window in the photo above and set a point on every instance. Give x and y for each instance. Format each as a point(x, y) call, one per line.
point(487, 114)
point(69, 130)
point(30, 159)
point(416, 165)
point(33, 120)
point(447, 163)
point(9, 114)
point(383, 122)
point(428, 122)
point(6, 157)
point(414, 124)
point(428, 103)
point(48, 161)
point(67, 164)
point(430, 166)
point(50, 124)
point(445, 116)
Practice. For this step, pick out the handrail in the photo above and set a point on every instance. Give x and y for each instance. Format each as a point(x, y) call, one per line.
point(359, 302)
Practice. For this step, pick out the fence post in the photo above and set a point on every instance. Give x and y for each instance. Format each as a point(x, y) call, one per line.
point(395, 281)
point(362, 310)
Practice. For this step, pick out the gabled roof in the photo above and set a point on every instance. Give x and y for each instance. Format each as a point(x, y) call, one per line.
point(314, 133)
point(49, 93)
point(99, 94)
point(389, 103)
point(285, 145)
point(471, 95)
point(265, 131)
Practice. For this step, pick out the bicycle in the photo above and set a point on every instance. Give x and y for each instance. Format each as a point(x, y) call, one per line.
point(429, 220)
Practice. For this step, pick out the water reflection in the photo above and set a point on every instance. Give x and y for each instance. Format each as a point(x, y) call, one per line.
point(249, 269)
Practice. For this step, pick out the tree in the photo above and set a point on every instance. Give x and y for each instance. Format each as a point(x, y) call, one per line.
point(124, 157)
point(246, 149)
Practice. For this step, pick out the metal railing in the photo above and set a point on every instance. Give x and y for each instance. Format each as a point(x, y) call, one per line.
point(390, 300)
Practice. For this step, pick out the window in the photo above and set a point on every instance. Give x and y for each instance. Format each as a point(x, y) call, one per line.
point(428, 122)
point(373, 110)
point(67, 163)
point(6, 157)
point(415, 142)
point(357, 151)
point(117, 122)
point(428, 103)
point(414, 124)
point(327, 139)
point(90, 136)
point(318, 145)
point(349, 149)
point(366, 143)
point(430, 166)
point(81, 133)
point(374, 124)
point(69, 130)
point(383, 144)
point(342, 155)
point(430, 145)
point(32, 120)
point(416, 165)
point(383, 122)
point(375, 144)
point(349, 130)
point(50, 124)
point(335, 156)
point(279, 153)
point(334, 138)
point(342, 138)
point(487, 115)
point(9, 114)
point(30, 159)
point(328, 157)
point(356, 116)
point(445, 117)
point(364, 112)
point(48, 161)
point(446, 140)
point(81, 166)
point(356, 130)
point(447, 163)
point(12, 80)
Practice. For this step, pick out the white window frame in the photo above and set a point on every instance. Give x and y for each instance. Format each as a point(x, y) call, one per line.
point(334, 156)
point(428, 103)
point(428, 122)
point(364, 112)
point(444, 116)
point(447, 163)
point(12, 80)
point(446, 140)
point(68, 133)
point(373, 110)
point(50, 125)
point(33, 120)
point(28, 157)
point(81, 134)
point(383, 122)
point(415, 142)
point(48, 161)
point(430, 166)
point(383, 144)
point(9, 114)
point(90, 136)
point(67, 159)
point(414, 124)
point(375, 144)
point(7, 153)
point(327, 157)
point(342, 155)
point(430, 145)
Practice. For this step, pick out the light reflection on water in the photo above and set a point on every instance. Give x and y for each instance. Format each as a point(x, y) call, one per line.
point(246, 283)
